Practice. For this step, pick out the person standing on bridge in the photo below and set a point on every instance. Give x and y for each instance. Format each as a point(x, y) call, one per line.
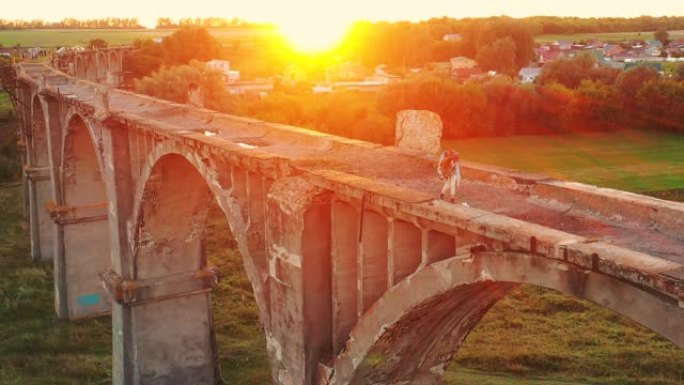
point(449, 170)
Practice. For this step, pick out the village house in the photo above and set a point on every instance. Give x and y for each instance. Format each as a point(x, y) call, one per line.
point(223, 66)
point(529, 74)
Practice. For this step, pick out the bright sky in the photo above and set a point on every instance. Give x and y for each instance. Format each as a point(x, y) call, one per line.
point(334, 10)
point(314, 24)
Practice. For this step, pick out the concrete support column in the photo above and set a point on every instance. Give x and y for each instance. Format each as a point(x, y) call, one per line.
point(113, 79)
point(23, 157)
point(39, 193)
point(23, 115)
point(345, 224)
point(405, 250)
point(118, 168)
point(255, 201)
point(372, 261)
point(54, 140)
point(38, 174)
point(437, 246)
point(298, 232)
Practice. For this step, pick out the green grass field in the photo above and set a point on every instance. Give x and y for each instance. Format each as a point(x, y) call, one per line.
point(636, 161)
point(70, 37)
point(612, 36)
point(533, 336)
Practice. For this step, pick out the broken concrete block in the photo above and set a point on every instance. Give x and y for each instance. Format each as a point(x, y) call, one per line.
point(419, 131)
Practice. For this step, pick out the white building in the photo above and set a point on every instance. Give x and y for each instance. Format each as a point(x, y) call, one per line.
point(221, 65)
point(529, 74)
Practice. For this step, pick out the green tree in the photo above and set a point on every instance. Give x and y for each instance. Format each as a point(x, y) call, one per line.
point(629, 82)
point(98, 43)
point(173, 84)
point(184, 45)
point(663, 36)
point(661, 104)
point(483, 32)
point(190, 43)
point(571, 72)
point(498, 56)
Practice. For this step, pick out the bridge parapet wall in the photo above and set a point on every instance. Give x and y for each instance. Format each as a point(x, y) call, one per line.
point(616, 205)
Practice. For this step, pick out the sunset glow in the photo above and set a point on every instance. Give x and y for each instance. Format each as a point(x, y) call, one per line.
point(311, 35)
point(330, 14)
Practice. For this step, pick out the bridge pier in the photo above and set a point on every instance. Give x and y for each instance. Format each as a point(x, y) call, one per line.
point(38, 176)
point(41, 226)
point(81, 218)
point(298, 235)
point(23, 116)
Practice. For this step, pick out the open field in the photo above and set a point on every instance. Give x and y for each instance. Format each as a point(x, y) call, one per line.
point(70, 37)
point(610, 36)
point(636, 161)
point(533, 336)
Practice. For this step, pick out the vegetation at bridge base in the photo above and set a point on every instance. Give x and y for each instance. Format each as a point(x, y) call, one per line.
point(537, 332)
point(240, 339)
point(36, 348)
point(9, 163)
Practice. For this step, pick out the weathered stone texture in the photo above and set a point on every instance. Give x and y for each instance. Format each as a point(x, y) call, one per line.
point(419, 131)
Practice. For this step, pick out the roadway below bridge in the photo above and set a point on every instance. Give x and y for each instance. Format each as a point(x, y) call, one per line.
point(569, 207)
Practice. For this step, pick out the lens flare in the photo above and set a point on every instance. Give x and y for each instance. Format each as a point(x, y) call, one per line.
point(313, 35)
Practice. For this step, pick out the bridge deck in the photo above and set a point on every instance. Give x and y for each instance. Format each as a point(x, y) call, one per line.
point(386, 166)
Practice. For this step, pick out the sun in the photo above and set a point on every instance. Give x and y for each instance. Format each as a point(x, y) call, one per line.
point(313, 35)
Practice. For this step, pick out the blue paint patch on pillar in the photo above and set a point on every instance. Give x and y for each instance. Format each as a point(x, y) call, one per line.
point(88, 299)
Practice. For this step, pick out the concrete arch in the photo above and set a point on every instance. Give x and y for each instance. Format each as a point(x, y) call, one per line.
point(39, 189)
point(102, 60)
point(91, 67)
point(411, 333)
point(114, 61)
point(39, 143)
point(83, 228)
point(169, 216)
point(81, 71)
point(225, 194)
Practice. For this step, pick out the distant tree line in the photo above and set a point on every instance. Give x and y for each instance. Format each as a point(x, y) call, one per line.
point(544, 25)
point(537, 25)
point(208, 22)
point(71, 23)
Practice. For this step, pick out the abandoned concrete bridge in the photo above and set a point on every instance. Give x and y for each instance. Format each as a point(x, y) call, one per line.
point(360, 275)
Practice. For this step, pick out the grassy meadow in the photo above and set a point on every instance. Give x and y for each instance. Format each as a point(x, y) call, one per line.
point(533, 336)
point(639, 161)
